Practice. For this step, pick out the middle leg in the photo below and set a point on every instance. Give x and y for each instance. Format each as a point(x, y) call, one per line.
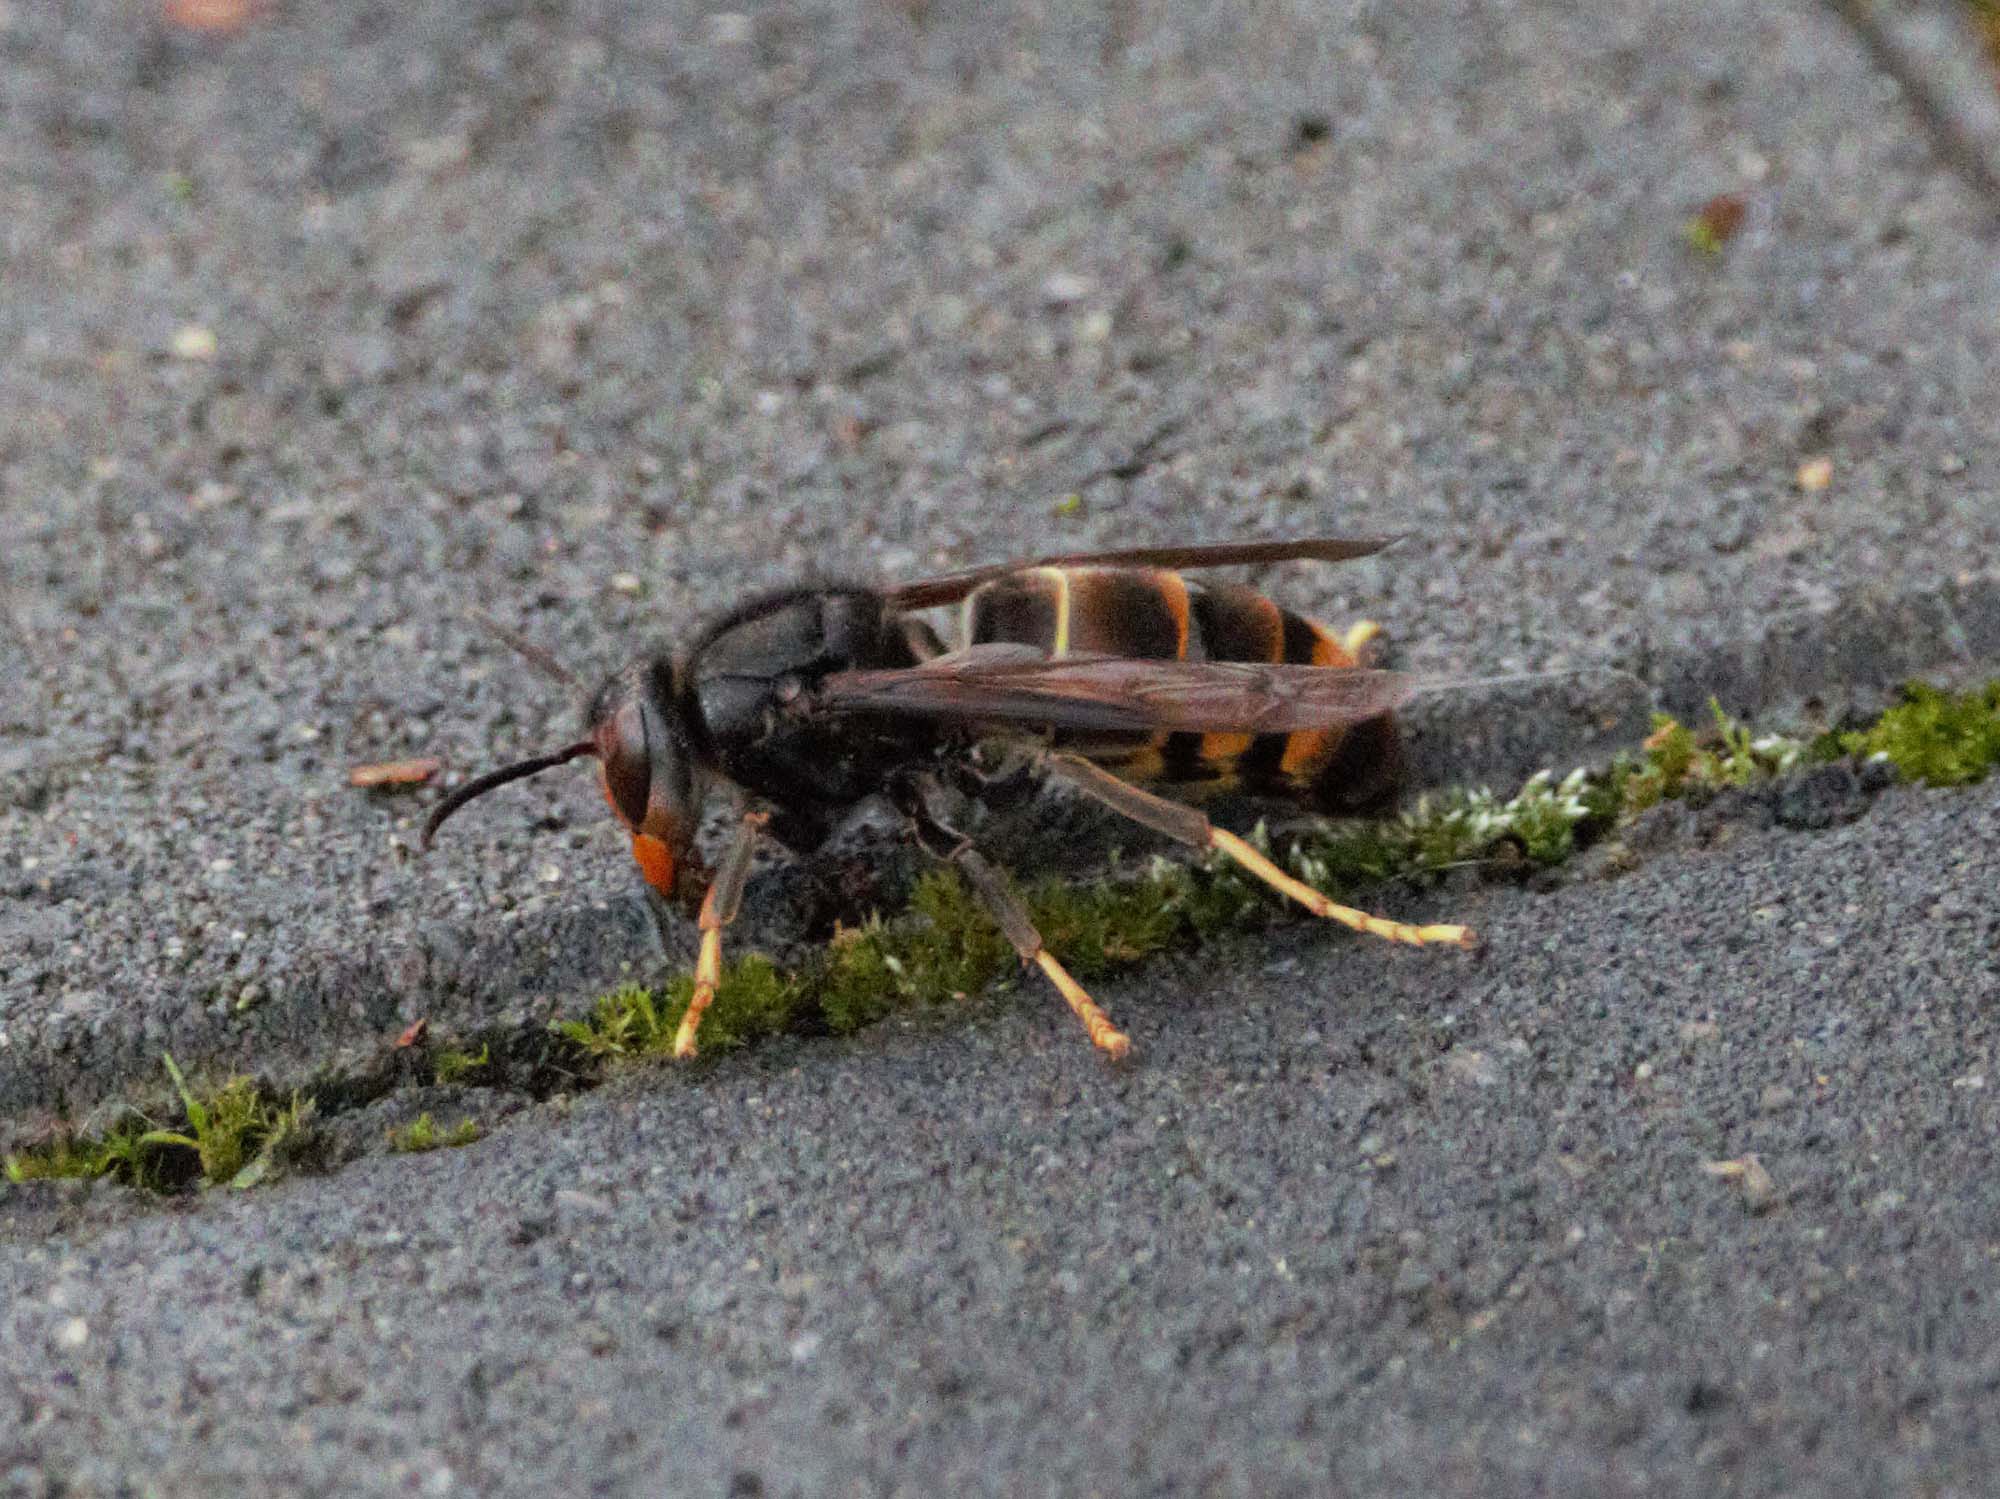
point(945, 843)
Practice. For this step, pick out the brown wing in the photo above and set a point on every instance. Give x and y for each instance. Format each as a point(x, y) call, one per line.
point(949, 588)
point(1014, 686)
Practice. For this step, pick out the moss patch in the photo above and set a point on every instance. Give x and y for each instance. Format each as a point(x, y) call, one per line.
point(946, 946)
point(1676, 761)
point(235, 1135)
point(117, 1153)
point(453, 1065)
point(423, 1133)
point(1937, 738)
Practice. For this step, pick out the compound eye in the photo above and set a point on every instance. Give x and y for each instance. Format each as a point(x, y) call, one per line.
point(621, 742)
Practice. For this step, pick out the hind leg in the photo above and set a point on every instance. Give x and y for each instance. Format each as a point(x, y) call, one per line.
point(1191, 827)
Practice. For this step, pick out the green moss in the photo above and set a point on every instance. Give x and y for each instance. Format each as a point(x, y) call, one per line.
point(953, 946)
point(237, 1134)
point(221, 1128)
point(1675, 761)
point(1214, 896)
point(1099, 928)
point(422, 1133)
point(1540, 821)
point(72, 1157)
point(1668, 755)
point(862, 980)
point(456, 1066)
point(946, 946)
point(1938, 738)
point(754, 1000)
point(1346, 855)
point(1606, 797)
point(1935, 737)
point(1454, 830)
point(624, 1023)
point(232, 1136)
point(1544, 817)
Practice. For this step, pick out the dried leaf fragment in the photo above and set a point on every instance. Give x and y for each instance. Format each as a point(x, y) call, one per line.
point(390, 774)
point(213, 17)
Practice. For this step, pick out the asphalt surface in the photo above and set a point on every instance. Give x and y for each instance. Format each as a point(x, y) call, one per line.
point(597, 316)
point(1356, 1221)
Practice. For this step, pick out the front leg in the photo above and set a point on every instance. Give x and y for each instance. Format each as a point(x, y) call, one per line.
point(718, 909)
point(674, 887)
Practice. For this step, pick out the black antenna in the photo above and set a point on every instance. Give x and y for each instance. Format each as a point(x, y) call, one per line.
point(494, 778)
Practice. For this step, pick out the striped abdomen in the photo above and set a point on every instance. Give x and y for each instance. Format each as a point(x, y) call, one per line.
point(1153, 613)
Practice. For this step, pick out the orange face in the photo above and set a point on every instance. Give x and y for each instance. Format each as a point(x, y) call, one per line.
point(649, 786)
point(659, 854)
point(647, 770)
point(656, 862)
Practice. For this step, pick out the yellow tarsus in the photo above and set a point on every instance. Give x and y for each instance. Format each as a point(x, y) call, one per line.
point(1105, 1036)
point(1319, 905)
point(707, 974)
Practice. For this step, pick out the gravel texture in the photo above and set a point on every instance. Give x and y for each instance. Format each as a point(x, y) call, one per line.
point(1354, 1220)
point(598, 314)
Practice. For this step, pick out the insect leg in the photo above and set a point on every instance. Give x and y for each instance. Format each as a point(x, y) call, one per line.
point(718, 909)
point(940, 840)
point(1188, 826)
point(662, 911)
point(1007, 910)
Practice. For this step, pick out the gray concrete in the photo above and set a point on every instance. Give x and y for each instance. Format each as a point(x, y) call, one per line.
point(1355, 1220)
point(597, 315)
